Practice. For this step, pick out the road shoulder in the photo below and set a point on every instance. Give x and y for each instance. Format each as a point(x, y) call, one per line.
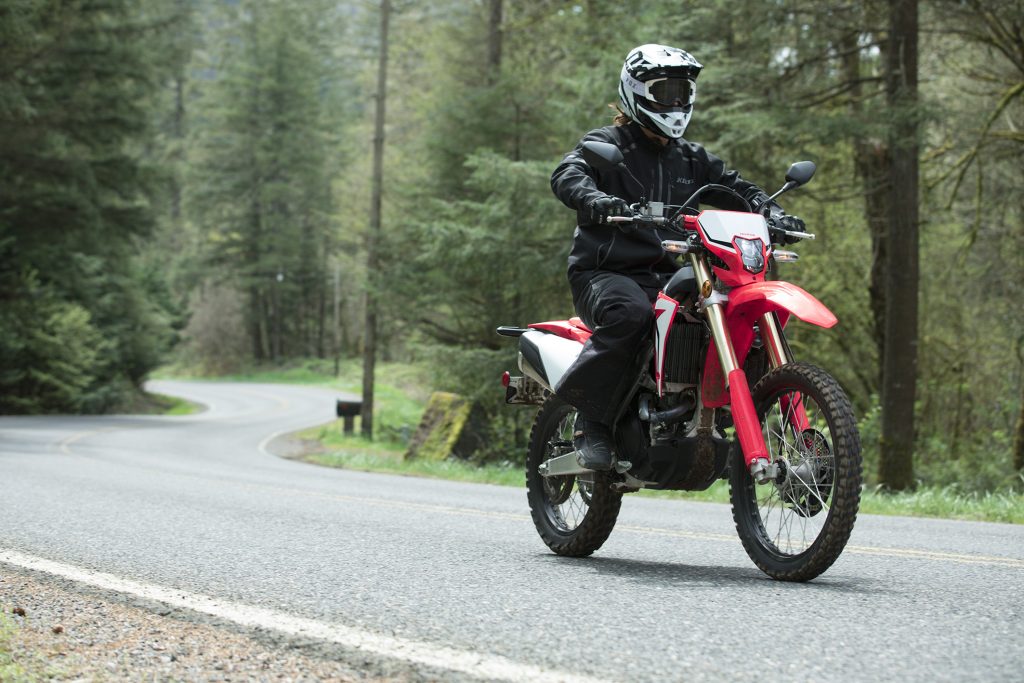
point(57, 629)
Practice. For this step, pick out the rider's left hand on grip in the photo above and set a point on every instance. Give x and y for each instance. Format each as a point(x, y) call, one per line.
point(781, 227)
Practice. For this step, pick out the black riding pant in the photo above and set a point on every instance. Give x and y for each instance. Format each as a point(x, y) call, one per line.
point(618, 309)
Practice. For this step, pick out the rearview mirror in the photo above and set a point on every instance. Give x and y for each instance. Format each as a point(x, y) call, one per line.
point(801, 172)
point(604, 156)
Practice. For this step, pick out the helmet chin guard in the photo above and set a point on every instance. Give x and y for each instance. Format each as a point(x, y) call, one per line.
point(657, 88)
point(669, 124)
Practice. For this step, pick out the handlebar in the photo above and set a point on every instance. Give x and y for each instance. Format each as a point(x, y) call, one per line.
point(798, 235)
point(690, 223)
point(778, 233)
point(639, 218)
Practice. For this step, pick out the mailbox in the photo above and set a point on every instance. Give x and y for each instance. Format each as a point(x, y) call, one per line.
point(348, 410)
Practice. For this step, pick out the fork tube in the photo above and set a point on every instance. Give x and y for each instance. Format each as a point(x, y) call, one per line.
point(716, 320)
point(792, 404)
point(771, 336)
point(744, 417)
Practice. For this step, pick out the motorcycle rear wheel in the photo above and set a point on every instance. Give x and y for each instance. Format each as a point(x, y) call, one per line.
point(574, 517)
point(797, 526)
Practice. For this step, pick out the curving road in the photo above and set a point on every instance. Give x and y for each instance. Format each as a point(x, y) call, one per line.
point(409, 568)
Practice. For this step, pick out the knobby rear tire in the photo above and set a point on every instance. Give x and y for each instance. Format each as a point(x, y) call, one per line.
point(839, 477)
point(581, 538)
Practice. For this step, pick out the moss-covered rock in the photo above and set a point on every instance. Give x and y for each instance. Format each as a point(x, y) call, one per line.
point(450, 428)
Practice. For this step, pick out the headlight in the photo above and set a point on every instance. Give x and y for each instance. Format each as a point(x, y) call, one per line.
point(752, 253)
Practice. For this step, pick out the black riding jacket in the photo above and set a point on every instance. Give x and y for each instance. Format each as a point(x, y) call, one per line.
point(669, 173)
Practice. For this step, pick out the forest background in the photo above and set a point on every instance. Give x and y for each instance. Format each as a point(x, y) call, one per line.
point(189, 180)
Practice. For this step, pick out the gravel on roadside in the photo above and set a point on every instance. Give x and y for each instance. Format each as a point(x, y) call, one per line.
point(53, 630)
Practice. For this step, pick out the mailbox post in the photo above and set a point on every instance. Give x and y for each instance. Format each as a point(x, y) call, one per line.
point(348, 410)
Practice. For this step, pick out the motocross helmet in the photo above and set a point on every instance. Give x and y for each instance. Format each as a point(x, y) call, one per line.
point(657, 88)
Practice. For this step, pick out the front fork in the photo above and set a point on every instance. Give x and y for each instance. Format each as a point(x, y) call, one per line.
point(744, 416)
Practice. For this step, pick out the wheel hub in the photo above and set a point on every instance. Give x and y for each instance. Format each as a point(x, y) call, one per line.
point(558, 489)
point(805, 486)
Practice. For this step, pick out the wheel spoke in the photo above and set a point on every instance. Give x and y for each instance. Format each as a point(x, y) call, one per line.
point(810, 433)
point(568, 514)
point(792, 513)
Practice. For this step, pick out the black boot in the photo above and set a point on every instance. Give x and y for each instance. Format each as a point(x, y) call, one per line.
point(593, 443)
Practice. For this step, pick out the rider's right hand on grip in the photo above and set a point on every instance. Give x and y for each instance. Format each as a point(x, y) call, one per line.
point(603, 207)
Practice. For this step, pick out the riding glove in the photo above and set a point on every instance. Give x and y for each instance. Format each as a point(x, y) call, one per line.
point(778, 224)
point(605, 206)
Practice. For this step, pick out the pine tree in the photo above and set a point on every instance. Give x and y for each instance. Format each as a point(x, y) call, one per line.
point(74, 199)
point(257, 187)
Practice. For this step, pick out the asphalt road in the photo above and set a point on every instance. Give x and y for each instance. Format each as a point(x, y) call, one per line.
point(197, 504)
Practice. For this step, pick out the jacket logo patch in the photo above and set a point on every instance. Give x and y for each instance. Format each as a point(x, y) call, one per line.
point(682, 181)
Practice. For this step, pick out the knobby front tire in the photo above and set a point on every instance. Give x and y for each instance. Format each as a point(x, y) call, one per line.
point(573, 517)
point(795, 527)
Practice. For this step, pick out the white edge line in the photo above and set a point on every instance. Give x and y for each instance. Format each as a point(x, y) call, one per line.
point(262, 447)
point(491, 667)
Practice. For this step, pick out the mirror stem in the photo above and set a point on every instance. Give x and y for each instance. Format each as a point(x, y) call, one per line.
point(622, 167)
point(785, 188)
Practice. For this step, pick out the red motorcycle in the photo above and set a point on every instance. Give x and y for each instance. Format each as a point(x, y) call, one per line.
point(789, 447)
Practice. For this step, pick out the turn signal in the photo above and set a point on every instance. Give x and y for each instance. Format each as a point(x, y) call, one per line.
point(784, 256)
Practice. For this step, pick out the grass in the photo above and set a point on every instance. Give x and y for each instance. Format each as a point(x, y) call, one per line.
point(149, 403)
point(400, 399)
point(16, 664)
point(399, 393)
point(949, 503)
point(172, 405)
point(945, 502)
point(356, 453)
point(942, 502)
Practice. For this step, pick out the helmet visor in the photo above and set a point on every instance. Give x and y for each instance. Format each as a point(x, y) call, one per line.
point(671, 92)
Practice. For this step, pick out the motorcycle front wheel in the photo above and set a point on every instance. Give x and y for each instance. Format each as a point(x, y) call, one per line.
point(796, 526)
point(574, 514)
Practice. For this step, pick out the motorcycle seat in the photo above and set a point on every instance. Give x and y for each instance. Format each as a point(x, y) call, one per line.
point(573, 328)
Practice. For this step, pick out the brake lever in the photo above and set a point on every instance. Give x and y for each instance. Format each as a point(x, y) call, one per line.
point(799, 235)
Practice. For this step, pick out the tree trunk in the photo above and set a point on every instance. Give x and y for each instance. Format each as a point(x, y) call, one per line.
point(262, 331)
point(179, 135)
point(1018, 445)
point(1018, 441)
point(899, 363)
point(373, 234)
point(255, 323)
point(278, 314)
point(321, 313)
point(494, 42)
point(874, 166)
point(337, 316)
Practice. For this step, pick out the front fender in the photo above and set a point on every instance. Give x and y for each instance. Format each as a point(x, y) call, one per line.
point(746, 305)
point(754, 300)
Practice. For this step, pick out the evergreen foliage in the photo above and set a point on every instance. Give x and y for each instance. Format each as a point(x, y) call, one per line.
point(74, 198)
point(204, 166)
point(258, 186)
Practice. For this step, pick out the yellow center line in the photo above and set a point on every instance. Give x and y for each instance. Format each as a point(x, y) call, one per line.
point(935, 555)
point(64, 446)
point(907, 553)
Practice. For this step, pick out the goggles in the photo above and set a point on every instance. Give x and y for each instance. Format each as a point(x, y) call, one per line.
point(671, 92)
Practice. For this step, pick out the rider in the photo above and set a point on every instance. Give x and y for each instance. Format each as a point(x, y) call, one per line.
point(615, 273)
